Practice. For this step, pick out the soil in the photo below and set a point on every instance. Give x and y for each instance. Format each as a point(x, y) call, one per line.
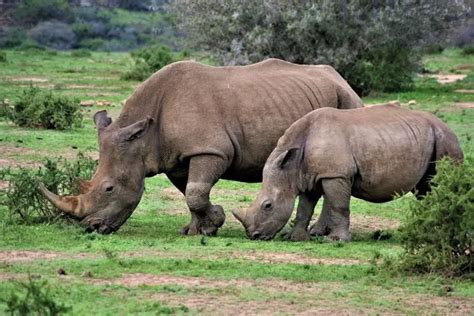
point(29, 79)
point(7, 151)
point(12, 256)
point(467, 91)
point(447, 78)
point(269, 297)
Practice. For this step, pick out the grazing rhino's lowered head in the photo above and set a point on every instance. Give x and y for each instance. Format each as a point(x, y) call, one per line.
point(272, 209)
point(109, 199)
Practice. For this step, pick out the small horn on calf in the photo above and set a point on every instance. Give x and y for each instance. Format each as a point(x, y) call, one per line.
point(69, 204)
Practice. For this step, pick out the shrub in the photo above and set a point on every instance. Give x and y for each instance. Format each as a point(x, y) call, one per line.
point(357, 37)
point(33, 297)
point(439, 232)
point(3, 57)
point(53, 34)
point(34, 11)
point(81, 53)
point(26, 205)
point(468, 50)
point(149, 60)
point(37, 108)
point(11, 37)
point(92, 43)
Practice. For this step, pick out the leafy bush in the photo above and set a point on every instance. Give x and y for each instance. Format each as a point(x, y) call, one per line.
point(149, 60)
point(26, 204)
point(53, 34)
point(359, 38)
point(33, 297)
point(468, 50)
point(439, 233)
point(81, 53)
point(3, 57)
point(92, 43)
point(11, 37)
point(37, 108)
point(34, 11)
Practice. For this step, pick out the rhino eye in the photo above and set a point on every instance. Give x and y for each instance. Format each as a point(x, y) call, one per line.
point(266, 205)
point(109, 188)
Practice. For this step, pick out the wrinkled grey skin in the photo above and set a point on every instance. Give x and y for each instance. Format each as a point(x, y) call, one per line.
point(198, 124)
point(371, 153)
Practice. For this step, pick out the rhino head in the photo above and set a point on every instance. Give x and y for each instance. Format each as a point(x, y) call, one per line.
point(274, 204)
point(116, 188)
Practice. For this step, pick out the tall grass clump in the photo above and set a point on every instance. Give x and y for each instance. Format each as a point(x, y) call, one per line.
point(26, 204)
point(439, 232)
point(43, 109)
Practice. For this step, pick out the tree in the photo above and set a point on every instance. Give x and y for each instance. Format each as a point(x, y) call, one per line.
point(373, 43)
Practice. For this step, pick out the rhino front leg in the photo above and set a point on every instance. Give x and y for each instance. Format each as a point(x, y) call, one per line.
point(204, 171)
point(338, 193)
point(322, 227)
point(305, 211)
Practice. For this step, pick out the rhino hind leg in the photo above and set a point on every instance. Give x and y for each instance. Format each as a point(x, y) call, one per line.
point(204, 171)
point(322, 227)
point(423, 186)
point(305, 211)
point(338, 193)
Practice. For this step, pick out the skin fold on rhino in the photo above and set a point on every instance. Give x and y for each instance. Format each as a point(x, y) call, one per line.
point(197, 124)
point(372, 153)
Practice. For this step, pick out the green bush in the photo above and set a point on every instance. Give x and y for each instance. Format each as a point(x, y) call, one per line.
point(34, 11)
point(468, 50)
point(33, 297)
point(439, 232)
point(364, 40)
point(149, 60)
point(37, 108)
point(92, 43)
point(11, 37)
point(26, 205)
point(81, 53)
point(3, 57)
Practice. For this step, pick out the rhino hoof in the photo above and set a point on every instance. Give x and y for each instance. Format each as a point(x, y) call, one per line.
point(297, 235)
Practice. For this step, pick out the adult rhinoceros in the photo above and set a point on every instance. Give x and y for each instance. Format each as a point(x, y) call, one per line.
point(197, 124)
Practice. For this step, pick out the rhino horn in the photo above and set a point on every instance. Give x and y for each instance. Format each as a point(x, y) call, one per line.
point(70, 204)
point(241, 216)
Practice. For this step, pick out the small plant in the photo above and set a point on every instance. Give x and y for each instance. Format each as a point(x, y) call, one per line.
point(468, 50)
point(81, 53)
point(439, 232)
point(149, 60)
point(26, 204)
point(33, 297)
point(3, 57)
point(37, 108)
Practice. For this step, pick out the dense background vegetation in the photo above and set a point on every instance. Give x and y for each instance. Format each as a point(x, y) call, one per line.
point(49, 265)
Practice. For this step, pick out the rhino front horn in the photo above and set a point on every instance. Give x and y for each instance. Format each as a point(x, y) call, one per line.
point(241, 216)
point(69, 204)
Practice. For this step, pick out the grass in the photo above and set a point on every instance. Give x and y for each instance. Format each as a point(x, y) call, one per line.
point(149, 242)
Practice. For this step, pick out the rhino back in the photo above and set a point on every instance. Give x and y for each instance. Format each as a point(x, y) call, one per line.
point(234, 112)
point(384, 149)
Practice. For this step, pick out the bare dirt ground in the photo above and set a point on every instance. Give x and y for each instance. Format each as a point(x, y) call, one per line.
point(446, 78)
point(467, 91)
point(223, 297)
point(9, 153)
point(13, 256)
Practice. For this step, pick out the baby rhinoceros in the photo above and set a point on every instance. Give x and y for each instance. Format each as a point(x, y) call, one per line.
point(371, 153)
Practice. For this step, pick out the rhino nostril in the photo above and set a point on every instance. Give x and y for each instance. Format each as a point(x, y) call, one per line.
point(256, 235)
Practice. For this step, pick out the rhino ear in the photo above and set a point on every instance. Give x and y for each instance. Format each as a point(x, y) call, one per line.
point(101, 120)
point(135, 131)
point(287, 158)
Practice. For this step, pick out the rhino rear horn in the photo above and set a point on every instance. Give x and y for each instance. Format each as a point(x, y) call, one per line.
point(101, 120)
